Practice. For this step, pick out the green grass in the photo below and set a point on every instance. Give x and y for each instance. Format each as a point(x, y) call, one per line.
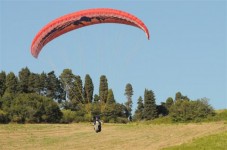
point(161, 120)
point(212, 142)
point(221, 115)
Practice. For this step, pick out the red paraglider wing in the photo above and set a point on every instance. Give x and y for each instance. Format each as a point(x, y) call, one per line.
point(80, 19)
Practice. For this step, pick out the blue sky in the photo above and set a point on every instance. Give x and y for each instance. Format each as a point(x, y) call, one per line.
point(186, 51)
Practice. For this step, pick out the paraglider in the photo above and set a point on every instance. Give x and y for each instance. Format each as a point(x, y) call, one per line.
point(97, 124)
point(80, 19)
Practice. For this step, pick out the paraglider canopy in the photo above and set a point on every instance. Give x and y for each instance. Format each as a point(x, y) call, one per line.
point(80, 19)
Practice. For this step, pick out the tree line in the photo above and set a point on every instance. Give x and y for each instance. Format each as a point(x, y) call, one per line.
point(37, 98)
point(179, 109)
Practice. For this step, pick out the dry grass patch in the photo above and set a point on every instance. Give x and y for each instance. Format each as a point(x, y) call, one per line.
point(113, 136)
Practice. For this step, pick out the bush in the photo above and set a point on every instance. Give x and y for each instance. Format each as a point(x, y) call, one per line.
point(222, 115)
point(32, 108)
point(68, 116)
point(122, 120)
point(3, 117)
point(190, 111)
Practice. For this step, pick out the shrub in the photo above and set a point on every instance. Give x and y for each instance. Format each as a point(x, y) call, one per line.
point(32, 108)
point(3, 117)
point(186, 111)
point(68, 116)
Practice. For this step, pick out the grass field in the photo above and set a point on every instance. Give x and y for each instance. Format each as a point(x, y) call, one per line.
point(113, 136)
point(210, 142)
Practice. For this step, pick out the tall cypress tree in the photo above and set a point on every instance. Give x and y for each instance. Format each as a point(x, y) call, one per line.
point(109, 110)
point(128, 94)
point(24, 80)
point(76, 92)
point(103, 89)
point(110, 97)
point(139, 110)
point(88, 89)
point(2, 83)
point(150, 110)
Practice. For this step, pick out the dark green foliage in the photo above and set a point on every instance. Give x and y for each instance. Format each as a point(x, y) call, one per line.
point(103, 89)
point(34, 83)
point(88, 89)
point(31, 108)
point(110, 97)
point(128, 94)
point(11, 83)
point(169, 103)
point(184, 111)
point(162, 110)
point(3, 117)
point(109, 112)
point(96, 109)
point(179, 96)
point(42, 84)
point(150, 111)
point(54, 89)
point(139, 111)
point(24, 80)
point(32, 97)
point(96, 98)
point(81, 114)
point(67, 78)
point(120, 110)
point(6, 101)
point(114, 113)
point(2, 83)
point(68, 116)
point(76, 91)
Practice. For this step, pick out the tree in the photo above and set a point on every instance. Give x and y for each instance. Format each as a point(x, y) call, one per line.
point(11, 83)
point(67, 78)
point(162, 110)
point(103, 89)
point(179, 96)
point(43, 84)
point(76, 92)
point(110, 97)
point(140, 109)
point(2, 83)
point(33, 108)
point(128, 94)
point(34, 84)
point(24, 80)
point(88, 89)
point(150, 111)
point(96, 98)
point(54, 88)
point(185, 111)
point(169, 102)
point(109, 110)
point(3, 117)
